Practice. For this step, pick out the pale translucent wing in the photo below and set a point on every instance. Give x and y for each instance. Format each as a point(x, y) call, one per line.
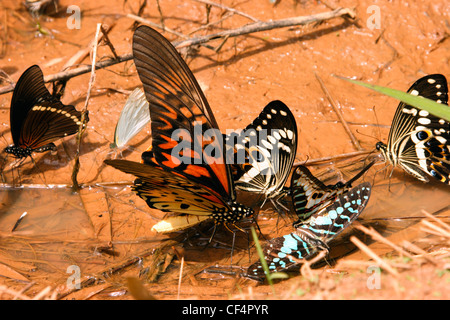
point(177, 223)
point(134, 117)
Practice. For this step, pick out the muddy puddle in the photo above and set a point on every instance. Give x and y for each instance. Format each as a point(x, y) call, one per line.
point(103, 232)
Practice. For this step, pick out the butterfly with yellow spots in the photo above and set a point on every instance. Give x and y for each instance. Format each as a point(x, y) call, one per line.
point(37, 118)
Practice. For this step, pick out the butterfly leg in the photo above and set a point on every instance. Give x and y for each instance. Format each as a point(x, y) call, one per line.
point(212, 235)
point(3, 168)
point(232, 248)
point(259, 229)
point(41, 173)
point(277, 204)
point(17, 164)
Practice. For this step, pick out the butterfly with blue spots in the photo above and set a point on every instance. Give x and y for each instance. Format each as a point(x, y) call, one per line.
point(313, 234)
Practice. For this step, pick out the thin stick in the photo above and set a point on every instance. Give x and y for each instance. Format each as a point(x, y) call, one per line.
point(373, 255)
point(63, 185)
point(339, 113)
point(210, 24)
point(155, 25)
point(228, 9)
point(180, 277)
point(268, 25)
point(434, 227)
point(5, 35)
point(108, 42)
point(305, 269)
point(15, 294)
point(81, 54)
point(413, 248)
point(161, 16)
point(440, 222)
point(159, 26)
point(247, 29)
point(376, 236)
point(76, 167)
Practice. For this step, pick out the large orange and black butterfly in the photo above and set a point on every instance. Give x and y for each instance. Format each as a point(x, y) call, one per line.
point(187, 174)
point(37, 118)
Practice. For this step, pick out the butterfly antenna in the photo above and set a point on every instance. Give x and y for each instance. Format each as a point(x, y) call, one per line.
point(376, 119)
point(360, 174)
point(367, 135)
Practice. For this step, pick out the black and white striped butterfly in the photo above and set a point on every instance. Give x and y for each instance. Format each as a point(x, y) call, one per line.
point(418, 141)
point(263, 153)
point(312, 235)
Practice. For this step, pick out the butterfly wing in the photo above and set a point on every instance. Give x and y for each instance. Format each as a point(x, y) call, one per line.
point(264, 152)
point(134, 117)
point(185, 133)
point(169, 192)
point(309, 194)
point(329, 222)
point(289, 250)
point(419, 141)
point(36, 117)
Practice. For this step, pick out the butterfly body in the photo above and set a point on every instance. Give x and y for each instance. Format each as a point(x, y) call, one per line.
point(37, 118)
point(19, 152)
point(418, 141)
point(314, 234)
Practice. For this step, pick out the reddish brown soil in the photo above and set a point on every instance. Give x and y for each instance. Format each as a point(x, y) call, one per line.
point(64, 229)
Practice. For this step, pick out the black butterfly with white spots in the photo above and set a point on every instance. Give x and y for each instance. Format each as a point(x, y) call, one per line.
point(262, 155)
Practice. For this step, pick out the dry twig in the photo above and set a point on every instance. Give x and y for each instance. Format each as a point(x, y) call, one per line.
point(76, 166)
point(376, 236)
point(413, 248)
point(247, 29)
point(373, 255)
point(213, 4)
point(339, 113)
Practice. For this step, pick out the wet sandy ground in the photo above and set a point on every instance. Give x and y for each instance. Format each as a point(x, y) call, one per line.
point(106, 225)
